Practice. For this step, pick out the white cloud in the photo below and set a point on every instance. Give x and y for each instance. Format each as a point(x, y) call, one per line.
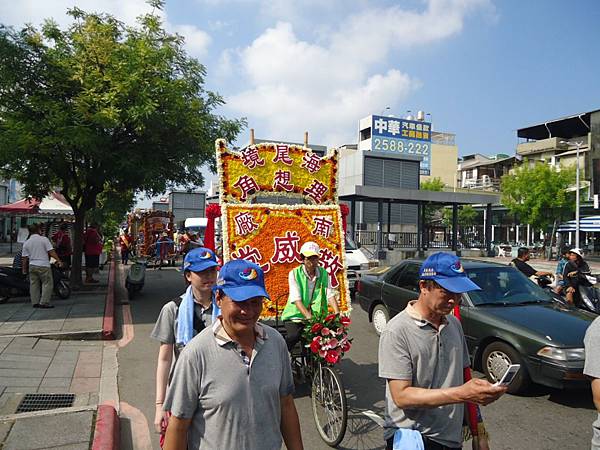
point(36, 11)
point(294, 85)
point(196, 40)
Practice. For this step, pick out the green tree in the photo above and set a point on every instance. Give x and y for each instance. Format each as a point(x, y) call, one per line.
point(466, 216)
point(102, 106)
point(432, 211)
point(538, 194)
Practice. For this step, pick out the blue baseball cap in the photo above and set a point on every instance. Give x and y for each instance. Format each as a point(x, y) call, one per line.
point(199, 259)
point(241, 280)
point(447, 271)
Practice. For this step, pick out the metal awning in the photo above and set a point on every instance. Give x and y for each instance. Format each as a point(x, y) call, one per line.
point(417, 196)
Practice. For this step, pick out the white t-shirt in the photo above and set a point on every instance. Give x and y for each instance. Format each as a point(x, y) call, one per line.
point(294, 294)
point(37, 248)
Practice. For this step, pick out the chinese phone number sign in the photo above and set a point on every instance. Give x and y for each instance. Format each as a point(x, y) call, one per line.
point(276, 170)
point(412, 137)
point(271, 236)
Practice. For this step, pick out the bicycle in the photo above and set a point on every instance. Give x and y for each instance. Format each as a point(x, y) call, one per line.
point(328, 397)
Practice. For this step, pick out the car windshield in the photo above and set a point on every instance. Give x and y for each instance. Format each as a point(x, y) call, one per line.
point(504, 286)
point(350, 244)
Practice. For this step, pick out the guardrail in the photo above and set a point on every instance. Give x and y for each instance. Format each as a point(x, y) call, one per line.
point(402, 239)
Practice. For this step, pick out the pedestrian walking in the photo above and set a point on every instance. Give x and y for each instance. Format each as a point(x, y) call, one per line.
point(92, 248)
point(592, 369)
point(62, 241)
point(125, 242)
point(181, 319)
point(422, 356)
point(37, 251)
point(232, 385)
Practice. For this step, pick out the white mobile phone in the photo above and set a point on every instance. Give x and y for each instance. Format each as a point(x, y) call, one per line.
point(509, 375)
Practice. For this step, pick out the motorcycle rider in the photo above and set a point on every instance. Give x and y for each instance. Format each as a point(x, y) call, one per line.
point(520, 262)
point(574, 275)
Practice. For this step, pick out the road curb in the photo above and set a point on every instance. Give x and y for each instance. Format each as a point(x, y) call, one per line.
point(106, 430)
point(108, 324)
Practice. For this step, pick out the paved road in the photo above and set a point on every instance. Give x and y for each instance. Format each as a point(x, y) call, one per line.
point(541, 420)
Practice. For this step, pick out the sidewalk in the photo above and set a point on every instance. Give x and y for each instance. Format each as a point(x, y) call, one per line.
point(56, 372)
point(81, 315)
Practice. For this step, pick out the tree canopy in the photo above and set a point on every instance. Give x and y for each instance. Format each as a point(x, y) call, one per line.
point(538, 193)
point(104, 107)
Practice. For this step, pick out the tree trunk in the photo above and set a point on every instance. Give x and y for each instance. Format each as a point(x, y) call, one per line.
point(76, 281)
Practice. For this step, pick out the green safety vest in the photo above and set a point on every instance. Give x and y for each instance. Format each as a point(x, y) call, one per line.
point(317, 304)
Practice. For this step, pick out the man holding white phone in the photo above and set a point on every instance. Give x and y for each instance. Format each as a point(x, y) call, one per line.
point(422, 355)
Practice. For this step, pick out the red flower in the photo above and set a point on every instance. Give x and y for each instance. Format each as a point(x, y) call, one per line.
point(316, 327)
point(330, 317)
point(325, 331)
point(315, 346)
point(345, 320)
point(346, 346)
point(332, 356)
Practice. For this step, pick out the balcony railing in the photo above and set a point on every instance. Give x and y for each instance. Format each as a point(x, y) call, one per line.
point(483, 184)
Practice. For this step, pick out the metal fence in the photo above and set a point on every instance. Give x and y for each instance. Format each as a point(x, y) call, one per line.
point(409, 240)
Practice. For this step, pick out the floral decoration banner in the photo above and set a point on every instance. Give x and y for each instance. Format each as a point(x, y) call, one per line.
point(271, 236)
point(276, 170)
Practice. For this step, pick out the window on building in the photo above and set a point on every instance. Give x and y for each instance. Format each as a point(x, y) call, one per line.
point(365, 134)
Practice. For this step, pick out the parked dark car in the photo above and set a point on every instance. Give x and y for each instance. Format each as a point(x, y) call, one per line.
point(510, 321)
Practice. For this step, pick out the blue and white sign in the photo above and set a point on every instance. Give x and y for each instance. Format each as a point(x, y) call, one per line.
point(391, 134)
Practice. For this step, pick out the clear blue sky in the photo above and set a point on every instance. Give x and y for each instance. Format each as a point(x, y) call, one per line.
point(482, 68)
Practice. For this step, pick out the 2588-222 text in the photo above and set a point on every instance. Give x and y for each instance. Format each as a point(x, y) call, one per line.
point(400, 146)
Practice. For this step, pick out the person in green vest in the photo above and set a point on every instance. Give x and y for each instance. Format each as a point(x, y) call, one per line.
point(310, 293)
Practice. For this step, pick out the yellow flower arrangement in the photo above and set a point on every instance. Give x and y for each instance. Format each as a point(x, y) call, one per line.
point(251, 232)
point(256, 168)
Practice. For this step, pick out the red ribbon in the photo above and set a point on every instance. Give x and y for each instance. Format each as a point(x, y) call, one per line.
point(212, 212)
point(471, 407)
point(345, 211)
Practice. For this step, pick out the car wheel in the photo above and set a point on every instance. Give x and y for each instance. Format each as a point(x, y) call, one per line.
point(380, 317)
point(496, 359)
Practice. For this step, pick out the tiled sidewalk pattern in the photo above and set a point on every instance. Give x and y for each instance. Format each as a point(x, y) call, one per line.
point(36, 365)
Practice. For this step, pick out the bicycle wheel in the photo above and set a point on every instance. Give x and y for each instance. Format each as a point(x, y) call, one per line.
point(330, 410)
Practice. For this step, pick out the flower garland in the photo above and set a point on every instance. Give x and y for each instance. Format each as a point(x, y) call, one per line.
point(275, 221)
point(230, 169)
point(327, 338)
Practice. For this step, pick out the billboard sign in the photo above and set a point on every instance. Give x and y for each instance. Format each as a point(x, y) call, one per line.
point(396, 135)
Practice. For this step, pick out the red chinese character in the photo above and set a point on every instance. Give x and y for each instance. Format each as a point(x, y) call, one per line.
point(316, 191)
point(244, 223)
point(282, 180)
point(311, 162)
point(283, 155)
point(322, 226)
point(286, 248)
point(247, 186)
point(251, 158)
point(253, 255)
point(331, 263)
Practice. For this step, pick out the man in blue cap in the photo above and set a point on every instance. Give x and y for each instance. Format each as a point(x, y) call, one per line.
point(232, 386)
point(422, 356)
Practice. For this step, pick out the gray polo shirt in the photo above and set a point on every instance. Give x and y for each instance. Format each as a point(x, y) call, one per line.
point(232, 399)
point(165, 329)
point(411, 348)
point(592, 369)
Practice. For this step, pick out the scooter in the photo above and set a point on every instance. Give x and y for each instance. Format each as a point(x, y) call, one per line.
point(589, 295)
point(13, 283)
point(136, 277)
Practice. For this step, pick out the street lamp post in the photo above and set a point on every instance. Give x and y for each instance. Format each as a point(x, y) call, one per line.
point(578, 144)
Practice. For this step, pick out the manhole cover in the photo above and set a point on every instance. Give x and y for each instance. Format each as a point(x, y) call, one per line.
point(40, 402)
